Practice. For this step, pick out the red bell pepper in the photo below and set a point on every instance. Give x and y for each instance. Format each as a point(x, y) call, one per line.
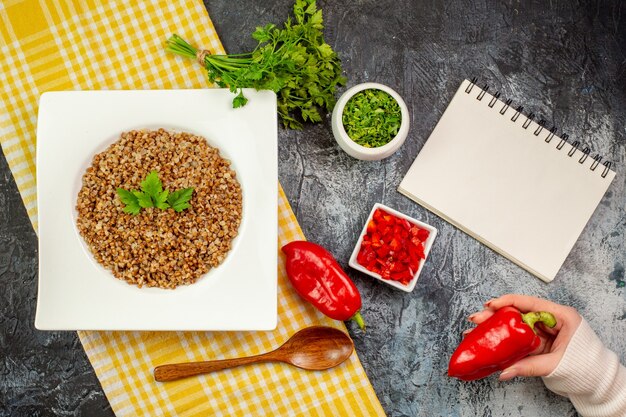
point(497, 343)
point(319, 279)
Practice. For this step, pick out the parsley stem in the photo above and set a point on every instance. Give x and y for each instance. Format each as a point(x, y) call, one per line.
point(218, 64)
point(179, 46)
point(229, 58)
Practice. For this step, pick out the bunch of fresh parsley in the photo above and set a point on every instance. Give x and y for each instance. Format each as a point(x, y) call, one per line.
point(293, 61)
point(152, 194)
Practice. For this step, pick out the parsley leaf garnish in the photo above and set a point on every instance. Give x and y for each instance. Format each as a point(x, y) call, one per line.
point(293, 61)
point(143, 199)
point(179, 200)
point(240, 100)
point(160, 200)
point(130, 200)
point(152, 194)
point(152, 184)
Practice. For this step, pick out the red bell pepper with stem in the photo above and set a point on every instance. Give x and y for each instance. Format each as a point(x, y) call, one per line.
point(497, 343)
point(319, 279)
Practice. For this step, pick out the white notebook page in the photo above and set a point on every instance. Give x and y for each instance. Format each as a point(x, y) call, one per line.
point(504, 185)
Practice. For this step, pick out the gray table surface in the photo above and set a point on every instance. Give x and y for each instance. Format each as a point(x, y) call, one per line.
point(564, 60)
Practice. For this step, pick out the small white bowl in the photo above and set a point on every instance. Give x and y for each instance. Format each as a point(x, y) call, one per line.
point(427, 245)
point(354, 149)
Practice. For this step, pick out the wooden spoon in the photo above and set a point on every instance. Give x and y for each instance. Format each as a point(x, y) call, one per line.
point(312, 348)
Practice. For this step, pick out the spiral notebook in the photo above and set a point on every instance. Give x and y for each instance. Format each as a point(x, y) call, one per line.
point(507, 180)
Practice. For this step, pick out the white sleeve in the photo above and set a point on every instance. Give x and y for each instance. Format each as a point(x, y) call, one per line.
point(591, 376)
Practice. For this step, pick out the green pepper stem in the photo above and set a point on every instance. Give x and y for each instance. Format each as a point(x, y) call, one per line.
point(543, 316)
point(359, 320)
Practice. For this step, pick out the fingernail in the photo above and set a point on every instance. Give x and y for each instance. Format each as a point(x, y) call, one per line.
point(506, 375)
point(471, 317)
point(488, 302)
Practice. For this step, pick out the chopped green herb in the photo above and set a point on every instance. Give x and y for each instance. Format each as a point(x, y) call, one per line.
point(152, 194)
point(293, 61)
point(372, 118)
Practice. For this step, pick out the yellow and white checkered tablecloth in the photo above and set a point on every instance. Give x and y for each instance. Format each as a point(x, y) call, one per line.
point(89, 45)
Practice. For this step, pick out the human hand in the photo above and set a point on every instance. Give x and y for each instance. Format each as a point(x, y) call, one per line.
point(554, 340)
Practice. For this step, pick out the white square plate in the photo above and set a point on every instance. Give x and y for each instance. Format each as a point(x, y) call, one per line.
point(75, 292)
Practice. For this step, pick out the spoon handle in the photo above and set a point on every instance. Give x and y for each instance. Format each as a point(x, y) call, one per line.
point(176, 371)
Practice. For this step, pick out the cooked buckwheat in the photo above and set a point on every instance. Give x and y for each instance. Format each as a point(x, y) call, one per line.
point(160, 248)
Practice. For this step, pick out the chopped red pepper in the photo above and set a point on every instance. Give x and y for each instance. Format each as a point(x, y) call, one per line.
point(497, 343)
point(392, 247)
point(422, 234)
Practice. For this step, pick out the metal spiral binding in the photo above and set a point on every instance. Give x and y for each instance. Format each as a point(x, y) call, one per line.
point(529, 119)
point(506, 106)
point(482, 93)
point(494, 99)
point(517, 113)
point(575, 145)
point(564, 139)
point(585, 154)
point(596, 161)
point(551, 134)
point(541, 125)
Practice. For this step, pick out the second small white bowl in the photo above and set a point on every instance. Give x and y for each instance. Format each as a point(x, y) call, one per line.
point(428, 244)
point(354, 149)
